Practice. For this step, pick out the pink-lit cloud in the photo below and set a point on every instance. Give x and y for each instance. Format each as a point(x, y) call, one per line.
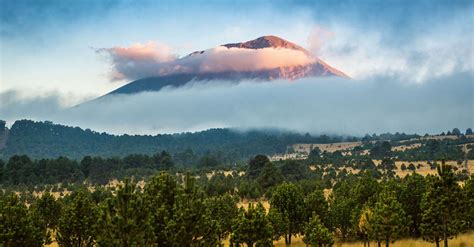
point(137, 60)
point(140, 61)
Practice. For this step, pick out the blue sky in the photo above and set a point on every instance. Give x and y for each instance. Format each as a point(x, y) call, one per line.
point(48, 49)
point(50, 45)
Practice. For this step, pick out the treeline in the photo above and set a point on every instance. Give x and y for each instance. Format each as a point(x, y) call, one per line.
point(20, 169)
point(326, 166)
point(428, 150)
point(177, 211)
point(48, 140)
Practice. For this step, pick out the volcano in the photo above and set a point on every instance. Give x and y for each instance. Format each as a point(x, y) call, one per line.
point(178, 74)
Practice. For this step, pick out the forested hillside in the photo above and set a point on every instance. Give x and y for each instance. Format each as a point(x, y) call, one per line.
point(48, 140)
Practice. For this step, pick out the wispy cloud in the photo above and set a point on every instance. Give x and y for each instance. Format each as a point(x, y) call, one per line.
point(137, 60)
point(146, 60)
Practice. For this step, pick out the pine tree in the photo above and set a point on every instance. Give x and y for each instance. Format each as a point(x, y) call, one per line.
point(188, 224)
point(288, 200)
point(76, 226)
point(341, 210)
point(388, 221)
point(49, 209)
point(413, 188)
point(469, 201)
point(315, 202)
point(316, 234)
point(252, 227)
point(20, 227)
point(160, 196)
point(124, 219)
point(431, 226)
point(443, 210)
point(220, 211)
point(269, 176)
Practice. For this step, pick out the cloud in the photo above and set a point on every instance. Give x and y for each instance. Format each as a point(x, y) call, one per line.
point(222, 59)
point(137, 60)
point(442, 50)
point(15, 105)
point(146, 60)
point(318, 38)
point(312, 105)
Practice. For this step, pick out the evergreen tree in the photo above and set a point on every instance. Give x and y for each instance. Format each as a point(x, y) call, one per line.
point(316, 234)
point(220, 212)
point(252, 227)
point(288, 200)
point(388, 221)
point(468, 131)
point(18, 170)
point(270, 176)
point(413, 188)
point(316, 203)
point(469, 201)
point(85, 165)
point(456, 131)
point(77, 224)
point(189, 225)
point(124, 219)
point(341, 206)
point(256, 165)
point(49, 209)
point(20, 227)
point(160, 196)
point(431, 226)
point(443, 209)
point(294, 170)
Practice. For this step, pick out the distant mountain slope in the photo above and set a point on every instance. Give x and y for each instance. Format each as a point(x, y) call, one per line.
point(318, 68)
point(48, 140)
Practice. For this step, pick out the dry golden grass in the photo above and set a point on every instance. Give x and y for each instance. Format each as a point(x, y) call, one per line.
point(424, 138)
point(406, 147)
point(425, 167)
point(226, 173)
point(56, 194)
point(330, 147)
point(462, 240)
point(291, 156)
point(245, 204)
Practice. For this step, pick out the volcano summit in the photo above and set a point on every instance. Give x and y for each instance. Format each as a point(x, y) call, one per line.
point(263, 59)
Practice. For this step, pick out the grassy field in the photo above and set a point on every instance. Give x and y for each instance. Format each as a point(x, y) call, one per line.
point(463, 240)
point(425, 167)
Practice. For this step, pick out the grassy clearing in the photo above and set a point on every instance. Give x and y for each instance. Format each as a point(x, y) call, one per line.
point(462, 240)
point(329, 147)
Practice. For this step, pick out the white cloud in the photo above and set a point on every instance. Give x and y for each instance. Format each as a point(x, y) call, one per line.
point(140, 61)
point(441, 51)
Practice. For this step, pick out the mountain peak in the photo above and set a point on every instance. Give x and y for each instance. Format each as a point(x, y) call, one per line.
point(266, 42)
point(314, 68)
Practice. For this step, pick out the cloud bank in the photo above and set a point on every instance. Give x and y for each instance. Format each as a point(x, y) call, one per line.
point(146, 60)
point(308, 105)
